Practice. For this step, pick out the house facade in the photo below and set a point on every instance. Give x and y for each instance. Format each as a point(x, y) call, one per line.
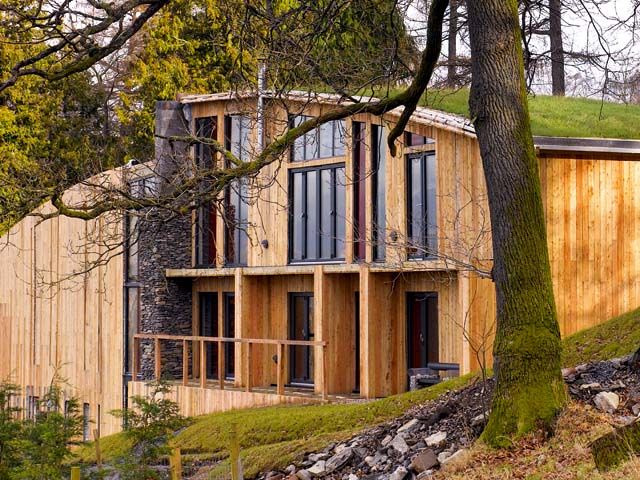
point(328, 276)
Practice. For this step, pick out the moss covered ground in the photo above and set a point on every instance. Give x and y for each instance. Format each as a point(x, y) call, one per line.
point(557, 116)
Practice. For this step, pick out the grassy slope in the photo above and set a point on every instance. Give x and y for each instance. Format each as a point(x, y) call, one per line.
point(560, 117)
point(614, 338)
point(273, 437)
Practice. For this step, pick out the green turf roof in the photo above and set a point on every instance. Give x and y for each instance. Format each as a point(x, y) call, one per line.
point(558, 116)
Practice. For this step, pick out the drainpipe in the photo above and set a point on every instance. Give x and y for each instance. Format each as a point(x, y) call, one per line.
point(262, 72)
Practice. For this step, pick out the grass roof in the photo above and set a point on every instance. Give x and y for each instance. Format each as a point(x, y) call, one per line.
point(557, 116)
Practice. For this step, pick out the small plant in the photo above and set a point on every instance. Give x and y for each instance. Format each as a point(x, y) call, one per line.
point(149, 424)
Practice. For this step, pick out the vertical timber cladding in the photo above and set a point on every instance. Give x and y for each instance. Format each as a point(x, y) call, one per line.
point(164, 241)
point(593, 228)
point(57, 319)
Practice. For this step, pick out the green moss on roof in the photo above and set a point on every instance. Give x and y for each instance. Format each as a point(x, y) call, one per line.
point(558, 116)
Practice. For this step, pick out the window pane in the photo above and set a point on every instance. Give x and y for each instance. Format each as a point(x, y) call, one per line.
point(340, 212)
point(379, 191)
point(133, 315)
point(311, 147)
point(133, 247)
point(298, 219)
point(298, 146)
point(417, 207)
point(325, 213)
point(312, 215)
point(326, 140)
point(338, 138)
point(431, 203)
point(245, 139)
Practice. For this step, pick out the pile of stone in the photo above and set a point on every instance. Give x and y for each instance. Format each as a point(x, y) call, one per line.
point(413, 446)
point(612, 386)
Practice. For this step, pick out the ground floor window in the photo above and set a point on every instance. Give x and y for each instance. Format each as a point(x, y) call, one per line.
point(229, 311)
point(209, 328)
point(422, 329)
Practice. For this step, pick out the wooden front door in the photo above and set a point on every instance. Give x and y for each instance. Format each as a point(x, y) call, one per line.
point(300, 328)
point(422, 329)
point(209, 328)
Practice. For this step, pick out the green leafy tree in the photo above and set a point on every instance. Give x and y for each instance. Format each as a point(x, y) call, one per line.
point(10, 430)
point(149, 424)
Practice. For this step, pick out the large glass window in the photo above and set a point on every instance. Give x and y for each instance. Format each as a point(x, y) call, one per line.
point(326, 141)
point(236, 218)
point(317, 214)
point(205, 241)
point(359, 191)
point(421, 205)
point(378, 190)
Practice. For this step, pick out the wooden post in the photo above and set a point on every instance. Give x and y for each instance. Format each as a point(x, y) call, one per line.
point(281, 369)
point(203, 364)
point(75, 473)
point(185, 362)
point(234, 454)
point(247, 367)
point(96, 437)
point(325, 397)
point(221, 365)
point(134, 359)
point(175, 464)
point(158, 360)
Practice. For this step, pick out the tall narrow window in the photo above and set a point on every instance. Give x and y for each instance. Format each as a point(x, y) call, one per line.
point(359, 176)
point(205, 241)
point(209, 328)
point(317, 214)
point(378, 191)
point(236, 218)
point(131, 286)
point(86, 419)
point(421, 205)
point(229, 310)
point(326, 141)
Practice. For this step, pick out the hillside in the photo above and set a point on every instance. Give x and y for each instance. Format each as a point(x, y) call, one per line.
point(557, 116)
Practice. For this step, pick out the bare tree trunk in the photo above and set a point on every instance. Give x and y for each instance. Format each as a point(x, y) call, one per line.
point(557, 49)
point(530, 392)
point(452, 76)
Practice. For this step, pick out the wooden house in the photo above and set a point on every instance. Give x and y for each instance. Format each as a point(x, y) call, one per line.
point(328, 276)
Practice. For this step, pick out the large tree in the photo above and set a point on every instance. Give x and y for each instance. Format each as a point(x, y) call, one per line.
point(529, 387)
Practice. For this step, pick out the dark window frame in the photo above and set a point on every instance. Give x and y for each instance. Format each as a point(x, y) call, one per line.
point(430, 295)
point(229, 348)
point(205, 242)
point(308, 351)
point(359, 191)
point(426, 247)
point(333, 236)
point(211, 299)
point(378, 193)
point(338, 144)
point(236, 236)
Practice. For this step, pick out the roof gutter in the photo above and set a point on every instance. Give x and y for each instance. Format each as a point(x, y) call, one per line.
point(587, 145)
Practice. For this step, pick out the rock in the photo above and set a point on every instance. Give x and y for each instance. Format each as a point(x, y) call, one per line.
point(303, 475)
point(568, 371)
point(274, 476)
point(590, 386)
point(425, 474)
point(290, 469)
point(399, 444)
point(386, 440)
point(436, 439)
point(352, 476)
point(607, 401)
point(581, 368)
point(360, 451)
point(479, 420)
point(455, 457)
point(424, 461)
point(291, 476)
point(442, 457)
point(410, 426)
point(636, 409)
point(369, 460)
point(399, 473)
point(626, 420)
point(338, 461)
point(340, 448)
point(319, 468)
point(314, 457)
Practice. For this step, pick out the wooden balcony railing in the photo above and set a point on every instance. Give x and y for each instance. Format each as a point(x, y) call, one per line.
point(245, 363)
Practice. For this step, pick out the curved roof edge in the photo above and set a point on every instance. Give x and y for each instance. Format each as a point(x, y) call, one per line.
point(429, 116)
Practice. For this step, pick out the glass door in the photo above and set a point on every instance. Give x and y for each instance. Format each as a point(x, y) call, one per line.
point(301, 328)
point(209, 328)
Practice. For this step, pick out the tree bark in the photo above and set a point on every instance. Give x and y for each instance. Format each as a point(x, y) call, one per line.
point(452, 54)
point(557, 49)
point(529, 392)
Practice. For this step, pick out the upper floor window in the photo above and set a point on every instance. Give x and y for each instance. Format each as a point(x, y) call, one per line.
point(421, 205)
point(325, 141)
point(236, 216)
point(378, 190)
point(414, 140)
point(317, 214)
point(205, 234)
